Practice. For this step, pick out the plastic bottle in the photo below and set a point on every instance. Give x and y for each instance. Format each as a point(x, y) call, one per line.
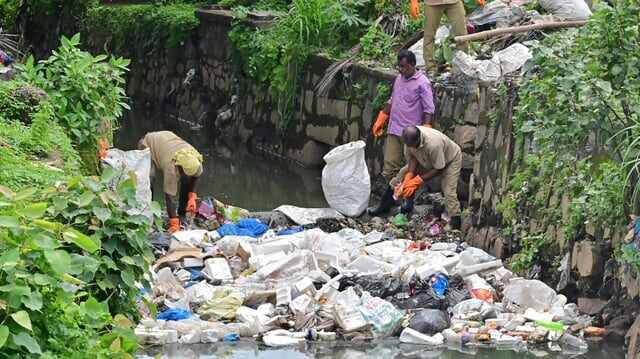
point(573, 341)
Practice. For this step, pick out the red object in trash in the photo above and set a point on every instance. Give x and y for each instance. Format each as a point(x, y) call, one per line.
point(470, 28)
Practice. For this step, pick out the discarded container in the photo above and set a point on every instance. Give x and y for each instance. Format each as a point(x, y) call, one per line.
point(573, 341)
point(283, 296)
point(305, 285)
point(156, 337)
point(411, 336)
point(349, 318)
point(231, 337)
point(218, 269)
point(553, 326)
point(477, 268)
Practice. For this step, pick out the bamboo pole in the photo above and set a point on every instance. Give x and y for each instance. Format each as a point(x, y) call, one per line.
point(517, 29)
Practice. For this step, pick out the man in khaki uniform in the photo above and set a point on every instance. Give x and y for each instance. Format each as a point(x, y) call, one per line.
point(179, 162)
point(433, 11)
point(429, 153)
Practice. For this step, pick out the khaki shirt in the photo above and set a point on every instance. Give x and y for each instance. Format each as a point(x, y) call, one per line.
point(441, 2)
point(163, 145)
point(436, 150)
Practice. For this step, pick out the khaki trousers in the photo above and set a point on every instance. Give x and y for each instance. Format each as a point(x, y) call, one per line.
point(393, 156)
point(449, 180)
point(433, 14)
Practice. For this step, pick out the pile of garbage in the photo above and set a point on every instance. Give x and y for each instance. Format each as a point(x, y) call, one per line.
point(289, 285)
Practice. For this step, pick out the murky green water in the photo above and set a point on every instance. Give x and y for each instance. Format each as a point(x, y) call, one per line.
point(232, 175)
point(382, 350)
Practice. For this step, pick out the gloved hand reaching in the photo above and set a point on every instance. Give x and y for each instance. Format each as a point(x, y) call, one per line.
point(409, 189)
point(378, 126)
point(174, 225)
point(191, 203)
point(414, 9)
point(400, 187)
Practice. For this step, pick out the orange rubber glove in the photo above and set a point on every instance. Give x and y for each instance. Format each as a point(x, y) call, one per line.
point(428, 125)
point(191, 203)
point(400, 187)
point(103, 146)
point(378, 126)
point(174, 225)
point(414, 9)
point(411, 186)
point(481, 3)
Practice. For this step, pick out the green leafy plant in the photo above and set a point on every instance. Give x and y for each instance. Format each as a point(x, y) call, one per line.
point(377, 45)
point(526, 257)
point(87, 93)
point(71, 256)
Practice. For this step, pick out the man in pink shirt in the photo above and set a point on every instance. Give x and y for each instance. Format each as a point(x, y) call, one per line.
point(411, 104)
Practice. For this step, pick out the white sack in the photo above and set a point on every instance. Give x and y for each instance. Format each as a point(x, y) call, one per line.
point(345, 179)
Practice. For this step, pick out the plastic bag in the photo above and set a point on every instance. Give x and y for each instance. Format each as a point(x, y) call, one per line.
point(567, 9)
point(411, 336)
point(138, 162)
point(429, 321)
point(479, 288)
point(473, 309)
point(345, 179)
point(381, 314)
point(522, 294)
point(224, 305)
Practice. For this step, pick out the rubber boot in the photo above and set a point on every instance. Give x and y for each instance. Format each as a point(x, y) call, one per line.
point(386, 202)
point(407, 206)
point(455, 223)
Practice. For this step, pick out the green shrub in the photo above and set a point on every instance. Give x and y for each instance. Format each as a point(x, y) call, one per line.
point(87, 93)
point(70, 257)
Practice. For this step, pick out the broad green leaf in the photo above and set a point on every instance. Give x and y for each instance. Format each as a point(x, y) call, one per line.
point(4, 334)
point(33, 301)
point(59, 260)
point(25, 340)
point(60, 203)
point(71, 279)
point(44, 241)
point(128, 260)
point(22, 318)
point(81, 264)
point(43, 279)
point(122, 321)
point(9, 222)
point(127, 278)
point(85, 199)
point(103, 214)
point(33, 211)
point(81, 240)
point(10, 259)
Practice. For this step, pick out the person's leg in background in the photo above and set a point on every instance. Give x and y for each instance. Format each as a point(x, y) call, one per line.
point(458, 20)
point(433, 15)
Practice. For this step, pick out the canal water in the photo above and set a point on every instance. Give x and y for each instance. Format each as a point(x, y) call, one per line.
point(234, 176)
point(388, 349)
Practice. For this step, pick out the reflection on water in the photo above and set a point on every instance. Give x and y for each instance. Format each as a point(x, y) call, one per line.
point(232, 175)
point(346, 350)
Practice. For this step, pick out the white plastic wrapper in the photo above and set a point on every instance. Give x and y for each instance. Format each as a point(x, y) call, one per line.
point(138, 162)
point(567, 9)
point(345, 179)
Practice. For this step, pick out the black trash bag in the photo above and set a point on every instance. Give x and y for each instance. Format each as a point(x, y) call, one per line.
point(429, 321)
point(377, 286)
point(424, 300)
point(457, 291)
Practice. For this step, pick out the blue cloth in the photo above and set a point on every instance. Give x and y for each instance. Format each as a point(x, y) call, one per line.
point(231, 337)
point(250, 227)
point(439, 284)
point(174, 314)
point(290, 230)
point(196, 275)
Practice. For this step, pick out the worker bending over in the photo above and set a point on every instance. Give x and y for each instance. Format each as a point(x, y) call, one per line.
point(429, 153)
point(179, 162)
